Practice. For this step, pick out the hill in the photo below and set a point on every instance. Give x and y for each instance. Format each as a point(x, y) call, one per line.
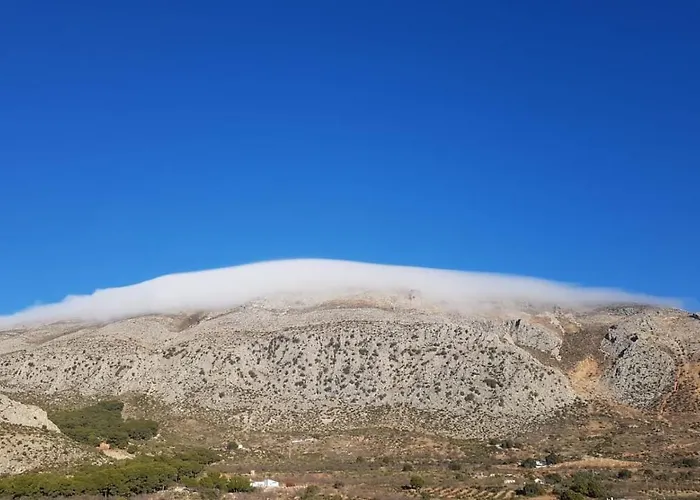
point(345, 364)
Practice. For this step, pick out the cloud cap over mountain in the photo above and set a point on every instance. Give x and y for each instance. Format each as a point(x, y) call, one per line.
point(315, 281)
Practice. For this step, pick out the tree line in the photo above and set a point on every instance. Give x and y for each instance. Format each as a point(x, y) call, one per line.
point(143, 474)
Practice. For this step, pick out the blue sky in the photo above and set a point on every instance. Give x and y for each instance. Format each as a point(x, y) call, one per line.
point(553, 139)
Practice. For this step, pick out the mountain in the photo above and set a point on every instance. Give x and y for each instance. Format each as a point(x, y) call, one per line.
point(302, 360)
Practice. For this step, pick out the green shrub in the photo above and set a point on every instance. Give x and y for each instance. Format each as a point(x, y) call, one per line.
point(553, 478)
point(416, 482)
point(568, 494)
point(587, 484)
point(624, 474)
point(531, 489)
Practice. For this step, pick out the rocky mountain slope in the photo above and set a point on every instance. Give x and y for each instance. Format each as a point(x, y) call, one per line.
point(369, 361)
point(16, 413)
point(28, 439)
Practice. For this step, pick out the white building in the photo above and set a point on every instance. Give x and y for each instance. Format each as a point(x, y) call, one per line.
point(266, 483)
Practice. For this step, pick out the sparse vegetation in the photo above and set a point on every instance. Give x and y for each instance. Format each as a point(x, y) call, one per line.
point(689, 462)
point(531, 489)
point(416, 482)
point(624, 474)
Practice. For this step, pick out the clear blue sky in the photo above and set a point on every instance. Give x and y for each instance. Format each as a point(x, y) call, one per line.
point(555, 139)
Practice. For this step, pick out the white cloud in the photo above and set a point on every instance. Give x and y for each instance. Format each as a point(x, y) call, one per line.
point(315, 280)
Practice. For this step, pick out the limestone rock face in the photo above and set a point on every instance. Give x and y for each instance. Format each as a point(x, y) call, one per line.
point(15, 413)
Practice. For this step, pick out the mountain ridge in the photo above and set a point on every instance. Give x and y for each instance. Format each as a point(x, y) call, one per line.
point(358, 362)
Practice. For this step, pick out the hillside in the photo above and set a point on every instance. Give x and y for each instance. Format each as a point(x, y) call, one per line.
point(371, 361)
point(28, 439)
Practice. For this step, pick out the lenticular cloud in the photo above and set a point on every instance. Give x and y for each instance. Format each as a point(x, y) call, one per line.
point(313, 281)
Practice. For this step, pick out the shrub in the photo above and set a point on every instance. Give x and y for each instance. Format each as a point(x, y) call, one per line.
point(553, 478)
point(624, 474)
point(416, 482)
point(407, 468)
point(552, 459)
point(568, 494)
point(529, 463)
point(309, 492)
point(587, 484)
point(531, 489)
point(689, 462)
point(454, 466)
point(238, 484)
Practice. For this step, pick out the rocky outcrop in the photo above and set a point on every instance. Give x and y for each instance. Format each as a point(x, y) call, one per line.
point(15, 413)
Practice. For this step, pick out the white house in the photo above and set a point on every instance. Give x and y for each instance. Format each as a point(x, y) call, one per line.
point(266, 483)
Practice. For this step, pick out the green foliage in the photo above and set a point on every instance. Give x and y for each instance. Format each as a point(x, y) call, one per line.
point(531, 489)
point(203, 456)
point(529, 463)
point(416, 482)
point(624, 474)
point(587, 484)
point(553, 478)
point(132, 477)
point(103, 422)
point(568, 494)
